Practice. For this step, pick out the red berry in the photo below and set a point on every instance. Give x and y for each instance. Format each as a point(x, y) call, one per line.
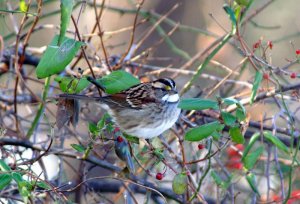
point(257, 44)
point(266, 76)
point(234, 163)
point(270, 44)
point(276, 198)
point(298, 52)
point(240, 147)
point(293, 75)
point(201, 146)
point(237, 166)
point(159, 176)
point(120, 139)
point(235, 153)
point(296, 194)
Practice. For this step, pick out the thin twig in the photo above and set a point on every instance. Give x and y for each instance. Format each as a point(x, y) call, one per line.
point(119, 64)
point(98, 18)
point(83, 51)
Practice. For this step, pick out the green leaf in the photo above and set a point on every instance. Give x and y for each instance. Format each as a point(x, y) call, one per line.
point(216, 135)
point(252, 140)
point(93, 128)
point(23, 6)
point(236, 135)
point(226, 184)
point(131, 138)
point(5, 180)
point(110, 127)
point(118, 81)
point(245, 9)
point(216, 177)
point(203, 131)
point(159, 153)
point(64, 83)
point(72, 85)
point(78, 147)
point(179, 184)
point(251, 181)
point(17, 177)
point(43, 185)
point(230, 101)
point(242, 2)
point(56, 58)
point(237, 12)
point(250, 160)
point(220, 127)
point(240, 114)
point(228, 118)
point(240, 106)
point(3, 166)
point(240, 111)
point(257, 81)
point(66, 7)
point(223, 184)
point(101, 122)
point(231, 14)
point(79, 85)
point(271, 138)
point(24, 190)
point(197, 104)
point(24, 186)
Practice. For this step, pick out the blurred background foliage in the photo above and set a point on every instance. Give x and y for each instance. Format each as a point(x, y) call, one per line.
point(193, 26)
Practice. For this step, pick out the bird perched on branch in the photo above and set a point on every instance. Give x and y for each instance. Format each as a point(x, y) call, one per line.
point(145, 110)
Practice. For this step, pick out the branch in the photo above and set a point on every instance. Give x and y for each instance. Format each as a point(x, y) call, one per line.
point(91, 159)
point(265, 95)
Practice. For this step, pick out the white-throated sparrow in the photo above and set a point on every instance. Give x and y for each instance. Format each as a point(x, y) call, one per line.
point(145, 110)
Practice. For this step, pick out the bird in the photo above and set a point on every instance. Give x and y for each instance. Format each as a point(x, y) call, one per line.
point(145, 110)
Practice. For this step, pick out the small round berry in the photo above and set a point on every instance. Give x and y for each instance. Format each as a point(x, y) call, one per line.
point(270, 44)
point(293, 75)
point(201, 146)
point(266, 76)
point(120, 139)
point(257, 44)
point(232, 152)
point(277, 198)
point(159, 176)
point(240, 147)
point(234, 163)
point(237, 166)
point(297, 52)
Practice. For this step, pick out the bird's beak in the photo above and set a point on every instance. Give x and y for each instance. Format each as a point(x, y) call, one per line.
point(172, 92)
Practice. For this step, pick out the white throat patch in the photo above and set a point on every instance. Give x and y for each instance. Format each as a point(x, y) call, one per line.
point(171, 98)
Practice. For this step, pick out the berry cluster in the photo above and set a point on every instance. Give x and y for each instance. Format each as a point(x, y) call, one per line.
point(234, 157)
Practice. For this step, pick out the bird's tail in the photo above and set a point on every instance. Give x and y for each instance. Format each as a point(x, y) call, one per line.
point(80, 97)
